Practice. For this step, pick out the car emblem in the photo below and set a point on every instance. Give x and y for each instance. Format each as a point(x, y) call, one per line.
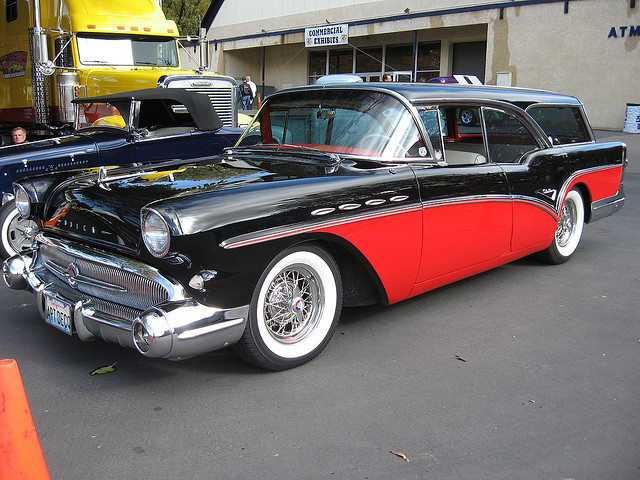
point(71, 274)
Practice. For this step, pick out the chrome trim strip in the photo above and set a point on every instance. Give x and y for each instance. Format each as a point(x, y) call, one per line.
point(467, 199)
point(607, 206)
point(275, 233)
point(536, 202)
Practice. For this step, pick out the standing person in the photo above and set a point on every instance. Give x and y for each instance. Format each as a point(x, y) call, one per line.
point(387, 77)
point(19, 135)
point(248, 91)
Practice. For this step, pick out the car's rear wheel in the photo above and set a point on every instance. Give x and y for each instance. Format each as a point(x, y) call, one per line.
point(569, 231)
point(16, 233)
point(294, 309)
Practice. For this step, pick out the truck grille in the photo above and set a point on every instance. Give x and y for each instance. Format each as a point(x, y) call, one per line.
point(222, 100)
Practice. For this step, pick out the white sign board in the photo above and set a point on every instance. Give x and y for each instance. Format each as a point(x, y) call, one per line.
point(326, 35)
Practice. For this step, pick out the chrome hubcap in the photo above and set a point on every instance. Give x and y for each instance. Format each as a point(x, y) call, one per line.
point(292, 305)
point(567, 224)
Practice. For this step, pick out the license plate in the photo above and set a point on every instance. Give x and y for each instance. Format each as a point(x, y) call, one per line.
point(58, 314)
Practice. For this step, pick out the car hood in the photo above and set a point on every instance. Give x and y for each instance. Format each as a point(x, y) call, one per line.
point(50, 148)
point(192, 197)
point(45, 156)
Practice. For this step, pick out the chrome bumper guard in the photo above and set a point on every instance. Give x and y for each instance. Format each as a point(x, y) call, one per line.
point(175, 329)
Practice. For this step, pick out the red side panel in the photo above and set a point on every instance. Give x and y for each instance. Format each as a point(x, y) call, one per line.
point(392, 245)
point(533, 225)
point(465, 234)
point(602, 183)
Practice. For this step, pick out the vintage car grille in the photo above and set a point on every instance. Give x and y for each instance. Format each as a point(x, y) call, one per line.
point(116, 290)
point(222, 100)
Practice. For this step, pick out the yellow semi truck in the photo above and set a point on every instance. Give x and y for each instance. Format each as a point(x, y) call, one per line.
point(52, 51)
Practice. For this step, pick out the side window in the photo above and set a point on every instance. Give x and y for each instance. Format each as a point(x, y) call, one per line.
point(463, 143)
point(563, 124)
point(12, 10)
point(434, 125)
point(507, 138)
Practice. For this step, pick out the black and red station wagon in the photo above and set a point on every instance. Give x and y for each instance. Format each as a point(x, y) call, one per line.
point(334, 195)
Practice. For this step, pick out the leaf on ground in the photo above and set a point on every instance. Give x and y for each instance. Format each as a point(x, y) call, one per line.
point(107, 369)
point(400, 454)
point(458, 357)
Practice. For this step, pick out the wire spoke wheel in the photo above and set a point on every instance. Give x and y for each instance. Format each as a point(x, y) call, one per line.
point(294, 310)
point(293, 304)
point(569, 231)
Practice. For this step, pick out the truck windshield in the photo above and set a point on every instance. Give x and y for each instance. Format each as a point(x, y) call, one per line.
point(127, 50)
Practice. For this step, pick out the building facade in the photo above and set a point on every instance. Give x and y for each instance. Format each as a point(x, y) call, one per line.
point(586, 48)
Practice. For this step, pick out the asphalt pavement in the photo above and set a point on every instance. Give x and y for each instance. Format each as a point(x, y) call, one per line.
point(528, 371)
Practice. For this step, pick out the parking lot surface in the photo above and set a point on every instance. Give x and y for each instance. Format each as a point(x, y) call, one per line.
point(526, 371)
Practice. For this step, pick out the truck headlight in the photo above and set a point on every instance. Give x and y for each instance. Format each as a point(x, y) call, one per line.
point(155, 233)
point(23, 202)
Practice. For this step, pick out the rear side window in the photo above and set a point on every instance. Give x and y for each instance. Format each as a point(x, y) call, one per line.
point(507, 138)
point(564, 124)
point(12, 10)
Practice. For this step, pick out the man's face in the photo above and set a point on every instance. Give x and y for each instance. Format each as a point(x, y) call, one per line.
point(18, 136)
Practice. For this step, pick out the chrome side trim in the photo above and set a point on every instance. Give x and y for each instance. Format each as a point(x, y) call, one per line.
point(288, 231)
point(607, 206)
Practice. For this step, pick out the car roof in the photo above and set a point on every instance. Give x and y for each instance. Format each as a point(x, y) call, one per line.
point(451, 91)
point(198, 104)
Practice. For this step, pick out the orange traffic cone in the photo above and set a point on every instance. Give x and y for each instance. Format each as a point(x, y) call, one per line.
point(20, 454)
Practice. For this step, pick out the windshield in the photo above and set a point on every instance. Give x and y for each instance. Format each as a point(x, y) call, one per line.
point(348, 121)
point(99, 114)
point(127, 50)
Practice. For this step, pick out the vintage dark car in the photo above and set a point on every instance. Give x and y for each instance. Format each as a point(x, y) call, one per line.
point(334, 195)
point(126, 128)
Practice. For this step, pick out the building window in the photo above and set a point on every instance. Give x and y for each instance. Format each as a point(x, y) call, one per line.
point(317, 65)
point(12, 10)
point(371, 62)
point(399, 58)
point(428, 61)
point(341, 61)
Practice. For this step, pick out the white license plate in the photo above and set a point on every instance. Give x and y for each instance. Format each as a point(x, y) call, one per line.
point(58, 314)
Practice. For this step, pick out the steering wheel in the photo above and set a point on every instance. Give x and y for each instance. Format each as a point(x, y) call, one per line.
point(364, 142)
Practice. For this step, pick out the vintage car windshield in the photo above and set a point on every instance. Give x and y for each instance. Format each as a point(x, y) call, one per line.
point(353, 122)
point(127, 50)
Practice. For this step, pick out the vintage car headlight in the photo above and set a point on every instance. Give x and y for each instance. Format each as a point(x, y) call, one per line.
point(23, 202)
point(155, 233)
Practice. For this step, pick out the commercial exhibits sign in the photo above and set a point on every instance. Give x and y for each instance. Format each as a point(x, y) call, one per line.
point(326, 35)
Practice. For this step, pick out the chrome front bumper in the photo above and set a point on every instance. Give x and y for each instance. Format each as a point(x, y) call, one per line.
point(176, 328)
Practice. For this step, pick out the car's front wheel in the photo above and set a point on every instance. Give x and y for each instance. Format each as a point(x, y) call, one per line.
point(569, 231)
point(294, 309)
point(16, 233)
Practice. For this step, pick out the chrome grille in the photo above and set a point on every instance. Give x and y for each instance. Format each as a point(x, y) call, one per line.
point(102, 281)
point(222, 100)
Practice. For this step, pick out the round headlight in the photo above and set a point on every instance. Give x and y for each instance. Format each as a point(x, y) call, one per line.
point(23, 202)
point(155, 233)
